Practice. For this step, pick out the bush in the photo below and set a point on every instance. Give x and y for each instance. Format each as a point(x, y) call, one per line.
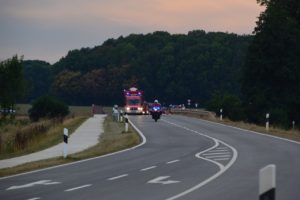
point(48, 107)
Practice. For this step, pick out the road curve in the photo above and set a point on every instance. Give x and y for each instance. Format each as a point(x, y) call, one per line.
point(183, 158)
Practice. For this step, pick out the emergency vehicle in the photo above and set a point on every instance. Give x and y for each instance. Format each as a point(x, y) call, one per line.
point(134, 101)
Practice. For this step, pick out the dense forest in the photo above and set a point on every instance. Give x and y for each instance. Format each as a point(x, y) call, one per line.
point(246, 75)
point(171, 68)
point(270, 80)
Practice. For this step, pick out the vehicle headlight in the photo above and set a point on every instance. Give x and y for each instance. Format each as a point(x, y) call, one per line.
point(127, 108)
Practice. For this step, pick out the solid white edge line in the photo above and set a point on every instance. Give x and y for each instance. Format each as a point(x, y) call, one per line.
point(77, 188)
point(34, 198)
point(222, 168)
point(258, 133)
point(143, 138)
point(148, 168)
point(117, 177)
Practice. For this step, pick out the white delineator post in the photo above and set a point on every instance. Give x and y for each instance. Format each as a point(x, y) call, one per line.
point(293, 122)
point(126, 123)
point(267, 121)
point(66, 135)
point(221, 114)
point(267, 183)
point(121, 115)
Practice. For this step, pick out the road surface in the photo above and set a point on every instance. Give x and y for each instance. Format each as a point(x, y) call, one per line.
point(181, 158)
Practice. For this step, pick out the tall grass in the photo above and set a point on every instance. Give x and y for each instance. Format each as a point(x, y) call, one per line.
point(19, 138)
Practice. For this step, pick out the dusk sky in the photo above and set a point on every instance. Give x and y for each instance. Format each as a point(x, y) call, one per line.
point(48, 29)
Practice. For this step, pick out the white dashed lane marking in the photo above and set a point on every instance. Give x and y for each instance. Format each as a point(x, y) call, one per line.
point(77, 188)
point(148, 168)
point(117, 177)
point(173, 161)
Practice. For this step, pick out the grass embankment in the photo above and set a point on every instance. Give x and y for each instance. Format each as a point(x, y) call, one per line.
point(113, 139)
point(292, 134)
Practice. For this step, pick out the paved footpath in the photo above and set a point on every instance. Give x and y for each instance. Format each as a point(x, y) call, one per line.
point(85, 136)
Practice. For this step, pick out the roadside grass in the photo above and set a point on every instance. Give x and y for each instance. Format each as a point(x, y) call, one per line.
point(111, 140)
point(18, 140)
point(19, 136)
point(292, 134)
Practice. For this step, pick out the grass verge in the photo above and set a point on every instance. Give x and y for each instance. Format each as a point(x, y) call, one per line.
point(292, 134)
point(113, 139)
point(36, 136)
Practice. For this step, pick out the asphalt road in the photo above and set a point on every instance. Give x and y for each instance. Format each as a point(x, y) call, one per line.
point(181, 158)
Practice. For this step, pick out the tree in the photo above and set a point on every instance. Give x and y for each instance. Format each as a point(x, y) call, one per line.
point(271, 74)
point(67, 85)
point(11, 81)
point(38, 76)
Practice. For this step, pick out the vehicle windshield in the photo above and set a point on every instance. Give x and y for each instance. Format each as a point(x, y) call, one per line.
point(133, 101)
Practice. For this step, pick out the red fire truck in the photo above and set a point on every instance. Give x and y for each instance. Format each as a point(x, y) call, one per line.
point(134, 101)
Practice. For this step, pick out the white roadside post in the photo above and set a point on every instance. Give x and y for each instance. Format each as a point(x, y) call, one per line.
point(221, 114)
point(126, 123)
point(293, 122)
point(121, 115)
point(267, 183)
point(189, 103)
point(66, 135)
point(267, 121)
point(93, 110)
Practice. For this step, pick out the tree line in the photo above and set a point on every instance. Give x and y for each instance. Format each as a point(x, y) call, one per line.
point(171, 68)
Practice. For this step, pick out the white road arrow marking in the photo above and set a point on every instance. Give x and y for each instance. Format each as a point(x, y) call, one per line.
point(162, 180)
point(42, 182)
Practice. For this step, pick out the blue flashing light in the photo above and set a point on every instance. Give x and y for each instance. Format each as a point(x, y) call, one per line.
point(156, 108)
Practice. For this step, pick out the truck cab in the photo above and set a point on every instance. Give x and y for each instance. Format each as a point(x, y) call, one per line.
point(133, 101)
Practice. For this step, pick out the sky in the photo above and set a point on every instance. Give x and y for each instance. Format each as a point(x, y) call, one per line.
point(48, 29)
